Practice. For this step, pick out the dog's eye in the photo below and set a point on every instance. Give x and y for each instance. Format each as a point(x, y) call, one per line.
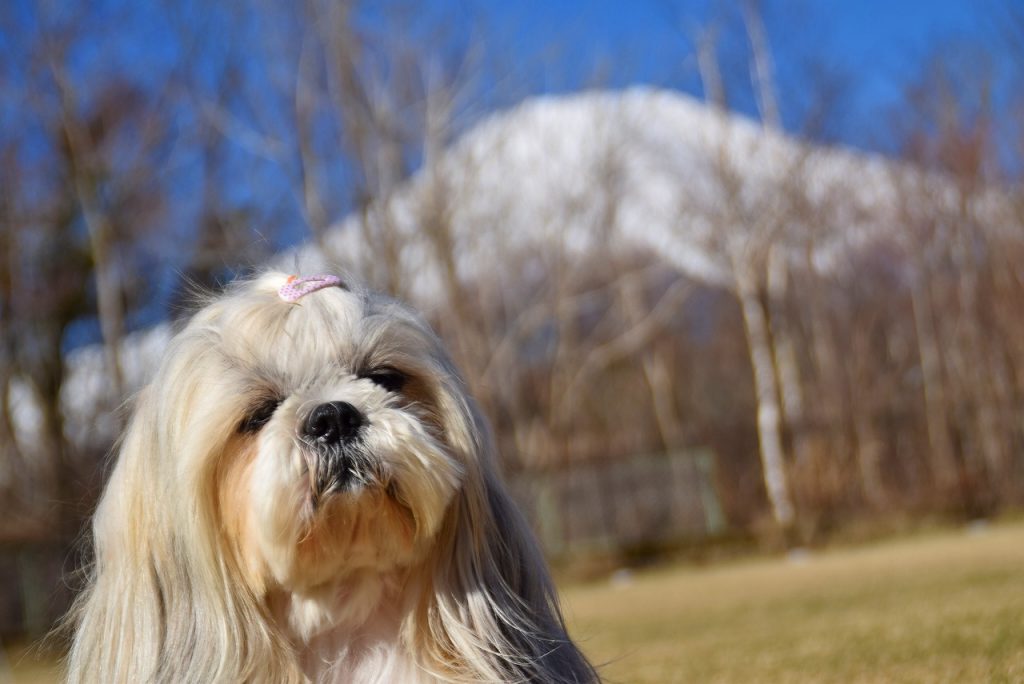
point(388, 378)
point(258, 416)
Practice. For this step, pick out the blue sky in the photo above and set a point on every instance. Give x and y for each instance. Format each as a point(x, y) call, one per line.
point(876, 46)
point(873, 48)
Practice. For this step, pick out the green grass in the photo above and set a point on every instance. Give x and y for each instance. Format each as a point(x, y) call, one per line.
point(942, 607)
point(945, 607)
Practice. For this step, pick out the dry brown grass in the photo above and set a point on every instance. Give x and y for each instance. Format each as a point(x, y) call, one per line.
point(21, 664)
point(944, 607)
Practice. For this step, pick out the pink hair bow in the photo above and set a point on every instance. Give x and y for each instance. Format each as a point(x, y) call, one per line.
point(297, 287)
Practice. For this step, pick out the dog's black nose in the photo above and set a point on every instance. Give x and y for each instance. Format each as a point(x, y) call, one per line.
point(333, 423)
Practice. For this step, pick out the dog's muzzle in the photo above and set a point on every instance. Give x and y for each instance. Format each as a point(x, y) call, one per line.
point(333, 431)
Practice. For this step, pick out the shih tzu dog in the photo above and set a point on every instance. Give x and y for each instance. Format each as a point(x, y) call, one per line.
point(306, 493)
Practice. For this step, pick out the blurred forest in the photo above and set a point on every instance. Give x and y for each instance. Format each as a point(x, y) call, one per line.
point(637, 407)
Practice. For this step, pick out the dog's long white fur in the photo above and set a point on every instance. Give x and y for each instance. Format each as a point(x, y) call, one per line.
point(215, 563)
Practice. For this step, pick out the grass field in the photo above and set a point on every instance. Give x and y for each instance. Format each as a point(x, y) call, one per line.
point(943, 607)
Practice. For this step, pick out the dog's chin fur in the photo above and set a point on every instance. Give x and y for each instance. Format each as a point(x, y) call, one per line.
point(230, 549)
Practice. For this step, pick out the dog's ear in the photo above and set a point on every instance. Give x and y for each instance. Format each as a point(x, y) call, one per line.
point(118, 619)
point(492, 612)
point(163, 601)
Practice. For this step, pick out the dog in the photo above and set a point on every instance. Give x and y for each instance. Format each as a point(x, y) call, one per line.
point(306, 492)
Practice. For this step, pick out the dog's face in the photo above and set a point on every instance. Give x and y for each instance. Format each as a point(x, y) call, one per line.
point(305, 471)
point(332, 414)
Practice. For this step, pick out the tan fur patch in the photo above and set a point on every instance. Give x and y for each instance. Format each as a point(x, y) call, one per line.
point(233, 477)
point(365, 529)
